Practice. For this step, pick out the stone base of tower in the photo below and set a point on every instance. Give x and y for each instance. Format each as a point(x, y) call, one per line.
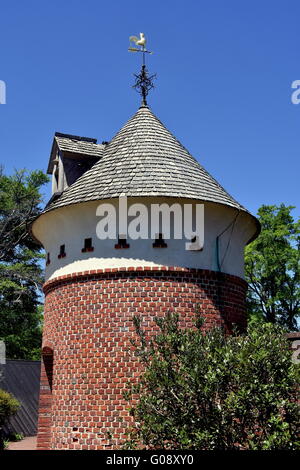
point(87, 354)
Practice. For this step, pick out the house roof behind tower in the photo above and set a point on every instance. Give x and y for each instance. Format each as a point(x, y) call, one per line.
point(68, 144)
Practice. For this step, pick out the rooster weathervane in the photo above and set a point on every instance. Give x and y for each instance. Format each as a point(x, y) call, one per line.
point(143, 82)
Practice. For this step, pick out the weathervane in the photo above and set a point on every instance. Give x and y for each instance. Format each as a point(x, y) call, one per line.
point(143, 82)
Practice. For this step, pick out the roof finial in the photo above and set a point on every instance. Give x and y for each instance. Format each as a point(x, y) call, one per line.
point(143, 82)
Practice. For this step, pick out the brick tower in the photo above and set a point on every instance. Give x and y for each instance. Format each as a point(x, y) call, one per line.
point(95, 286)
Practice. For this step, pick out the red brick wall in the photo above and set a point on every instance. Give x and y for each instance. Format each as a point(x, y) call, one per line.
point(88, 324)
point(45, 401)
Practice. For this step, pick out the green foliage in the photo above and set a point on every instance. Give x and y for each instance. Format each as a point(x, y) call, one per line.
point(15, 437)
point(21, 274)
point(4, 444)
point(8, 407)
point(214, 392)
point(272, 268)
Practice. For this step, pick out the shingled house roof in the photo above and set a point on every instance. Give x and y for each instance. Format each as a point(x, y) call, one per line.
point(143, 159)
point(73, 144)
point(80, 146)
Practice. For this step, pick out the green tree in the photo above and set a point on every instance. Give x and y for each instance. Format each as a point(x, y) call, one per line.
point(21, 274)
point(209, 391)
point(272, 268)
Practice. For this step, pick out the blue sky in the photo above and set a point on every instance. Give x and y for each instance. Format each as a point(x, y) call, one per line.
point(224, 73)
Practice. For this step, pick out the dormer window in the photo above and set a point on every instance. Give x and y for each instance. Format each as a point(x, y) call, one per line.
point(122, 243)
point(159, 241)
point(55, 172)
point(62, 251)
point(71, 156)
point(87, 245)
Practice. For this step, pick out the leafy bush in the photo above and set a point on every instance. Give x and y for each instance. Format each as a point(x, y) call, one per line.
point(15, 437)
point(8, 407)
point(210, 391)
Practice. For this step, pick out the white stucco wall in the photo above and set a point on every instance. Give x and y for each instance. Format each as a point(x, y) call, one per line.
point(72, 224)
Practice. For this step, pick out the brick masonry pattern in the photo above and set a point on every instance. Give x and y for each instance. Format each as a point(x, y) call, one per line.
point(87, 332)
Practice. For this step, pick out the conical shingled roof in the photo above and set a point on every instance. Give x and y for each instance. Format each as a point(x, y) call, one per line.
point(145, 159)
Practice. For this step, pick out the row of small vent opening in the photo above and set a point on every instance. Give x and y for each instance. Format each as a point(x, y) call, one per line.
point(122, 243)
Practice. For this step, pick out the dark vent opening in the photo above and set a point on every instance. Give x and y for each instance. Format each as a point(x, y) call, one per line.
point(159, 242)
point(122, 243)
point(62, 251)
point(87, 245)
